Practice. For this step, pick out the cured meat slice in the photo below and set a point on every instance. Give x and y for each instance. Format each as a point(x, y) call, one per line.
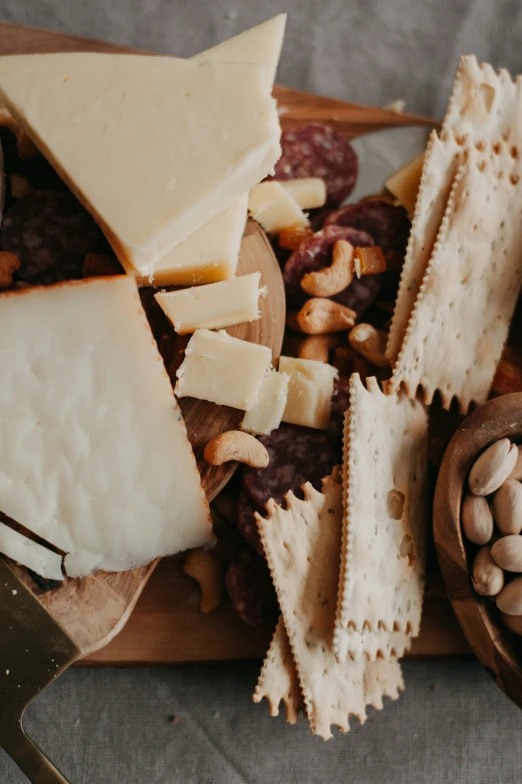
point(250, 587)
point(387, 224)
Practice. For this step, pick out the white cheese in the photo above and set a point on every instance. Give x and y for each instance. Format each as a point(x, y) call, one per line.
point(267, 413)
point(208, 255)
point(28, 553)
point(222, 369)
point(155, 147)
point(309, 192)
point(261, 44)
point(310, 392)
point(95, 456)
point(274, 208)
point(214, 305)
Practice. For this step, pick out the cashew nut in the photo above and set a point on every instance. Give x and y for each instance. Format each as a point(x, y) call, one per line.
point(331, 280)
point(318, 347)
point(320, 316)
point(370, 343)
point(236, 445)
point(292, 237)
point(204, 567)
point(25, 147)
point(9, 263)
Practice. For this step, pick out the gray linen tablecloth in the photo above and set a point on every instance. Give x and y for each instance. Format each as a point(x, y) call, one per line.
point(452, 724)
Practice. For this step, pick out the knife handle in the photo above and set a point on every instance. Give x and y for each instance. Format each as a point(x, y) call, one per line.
point(29, 758)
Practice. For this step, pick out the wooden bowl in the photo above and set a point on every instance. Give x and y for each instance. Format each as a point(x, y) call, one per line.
point(495, 646)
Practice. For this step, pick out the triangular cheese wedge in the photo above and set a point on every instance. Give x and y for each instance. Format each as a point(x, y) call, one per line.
point(154, 147)
point(95, 457)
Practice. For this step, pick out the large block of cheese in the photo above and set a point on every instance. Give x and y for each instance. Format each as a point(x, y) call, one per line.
point(267, 413)
point(95, 456)
point(155, 147)
point(310, 390)
point(274, 208)
point(222, 369)
point(214, 305)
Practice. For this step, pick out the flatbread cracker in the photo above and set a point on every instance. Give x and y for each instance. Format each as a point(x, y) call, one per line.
point(302, 545)
point(369, 645)
point(461, 318)
point(484, 107)
point(278, 680)
point(385, 512)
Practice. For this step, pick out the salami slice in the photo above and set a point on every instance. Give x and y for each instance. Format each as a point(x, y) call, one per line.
point(340, 404)
point(316, 253)
point(246, 522)
point(387, 224)
point(297, 455)
point(316, 150)
point(251, 589)
point(50, 232)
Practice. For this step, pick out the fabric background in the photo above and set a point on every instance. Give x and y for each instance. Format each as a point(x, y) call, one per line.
point(452, 724)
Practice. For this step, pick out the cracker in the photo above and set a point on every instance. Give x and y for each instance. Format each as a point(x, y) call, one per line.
point(461, 318)
point(278, 680)
point(302, 545)
point(369, 645)
point(385, 512)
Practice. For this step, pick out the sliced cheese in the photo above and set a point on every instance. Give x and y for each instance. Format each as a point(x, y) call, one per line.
point(310, 390)
point(222, 369)
point(208, 255)
point(95, 457)
point(212, 306)
point(31, 554)
point(155, 147)
point(274, 208)
point(267, 413)
point(261, 44)
point(309, 192)
point(404, 183)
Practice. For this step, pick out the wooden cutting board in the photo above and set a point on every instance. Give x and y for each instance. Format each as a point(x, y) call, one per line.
point(166, 625)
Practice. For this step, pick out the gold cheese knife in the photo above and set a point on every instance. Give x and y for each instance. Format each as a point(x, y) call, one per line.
point(34, 650)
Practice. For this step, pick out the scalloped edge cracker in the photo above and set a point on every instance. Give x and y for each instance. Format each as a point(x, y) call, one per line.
point(461, 318)
point(369, 645)
point(302, 546)
point(278, 681)
point(385, 512)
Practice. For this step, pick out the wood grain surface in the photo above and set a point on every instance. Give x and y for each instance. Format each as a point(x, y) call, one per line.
point(498, 649)
point(166, 625)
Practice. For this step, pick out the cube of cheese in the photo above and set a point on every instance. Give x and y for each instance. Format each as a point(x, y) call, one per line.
point(222, 369)
point(309, 192)
point(274, 208)
point(212, 306)
point(310, 390)
point(267, 413)
point(404, 183)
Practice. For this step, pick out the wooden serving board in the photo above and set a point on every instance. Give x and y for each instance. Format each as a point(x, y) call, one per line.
point(166, 625)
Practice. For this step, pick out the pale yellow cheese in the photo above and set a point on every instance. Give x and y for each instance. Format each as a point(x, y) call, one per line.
point(31, 554)
point(404, 183)
point(214, 305)
point(95, 457)
point(267, 414)
point(222, 369)
point(274, 208)
point(309, 192)
point(155, 147)
point(310, 390)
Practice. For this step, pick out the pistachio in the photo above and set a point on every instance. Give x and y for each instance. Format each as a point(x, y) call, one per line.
point(509, 600)
point(513, 622)
point(493, 467)
point(487, 577)
point(517, 471)
point(507, 553)
point(507, 507)
point(477, 520)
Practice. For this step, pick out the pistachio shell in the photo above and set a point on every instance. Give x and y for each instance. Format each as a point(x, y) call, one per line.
point(477, 520)
point(493, 467)
point(509, 599)
point(507, 507)
point(507, 553)
point(517, 471)
point(488, 577)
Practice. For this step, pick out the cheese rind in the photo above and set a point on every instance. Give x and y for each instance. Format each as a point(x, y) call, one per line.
point(309, 192)
point(261, 44)
point(212, 306)
point(210, 254)
point(274, 208)
point(310, 390)
point(95, 456)
point(210, 130)
point(222, 369)
point(24, 551)
point(267, 413)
